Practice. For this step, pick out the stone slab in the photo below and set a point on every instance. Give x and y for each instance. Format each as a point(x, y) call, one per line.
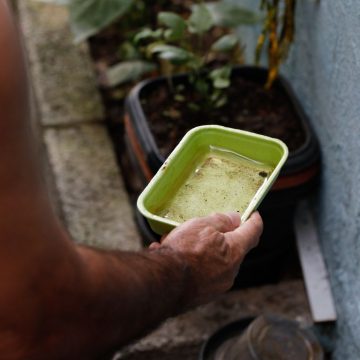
point(62, 72)
point(182, 337)
point(95, 204)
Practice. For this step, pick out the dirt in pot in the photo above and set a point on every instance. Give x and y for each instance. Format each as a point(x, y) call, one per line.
point(249, 107)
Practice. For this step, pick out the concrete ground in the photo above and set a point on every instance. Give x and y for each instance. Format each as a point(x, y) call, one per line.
point(87, 187)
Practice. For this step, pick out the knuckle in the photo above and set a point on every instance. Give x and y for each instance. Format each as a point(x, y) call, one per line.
point(221, 217)
point(207, 231)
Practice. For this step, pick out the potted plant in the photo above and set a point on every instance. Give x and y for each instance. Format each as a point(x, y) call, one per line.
point(159, 111)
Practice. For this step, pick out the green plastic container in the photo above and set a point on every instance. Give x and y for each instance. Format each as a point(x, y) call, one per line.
point(196, 164)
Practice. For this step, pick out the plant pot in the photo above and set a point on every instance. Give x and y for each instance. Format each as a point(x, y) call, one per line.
point(298, 177)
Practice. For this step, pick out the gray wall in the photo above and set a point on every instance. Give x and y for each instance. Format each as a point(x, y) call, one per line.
point(325, 69)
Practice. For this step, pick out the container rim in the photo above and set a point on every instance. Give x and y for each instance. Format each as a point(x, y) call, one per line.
point(254, 202)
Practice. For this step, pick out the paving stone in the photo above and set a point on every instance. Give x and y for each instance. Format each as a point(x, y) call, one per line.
point(61, 71)
point(182, 337)
point(95, 204)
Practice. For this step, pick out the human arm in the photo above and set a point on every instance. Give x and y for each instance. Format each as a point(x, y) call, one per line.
point(62, 301)
point(194, 264)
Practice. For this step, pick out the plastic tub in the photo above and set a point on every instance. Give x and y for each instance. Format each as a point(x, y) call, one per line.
point(190, 155)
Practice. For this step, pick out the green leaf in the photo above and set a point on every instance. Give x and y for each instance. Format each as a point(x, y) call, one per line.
point(195, 64)
point(201, 86)
point(221, 77)
point(225, 43)
point(128, 71)
point(220, 102)
point(221, 83)
point(169, 35)
point(201, 20)
point(231, 15)
point(88, 17)
point(171, 53)
point(146, 34)
point(175, 23)
point(128, 51)
point(193, 106)
point(179, 98)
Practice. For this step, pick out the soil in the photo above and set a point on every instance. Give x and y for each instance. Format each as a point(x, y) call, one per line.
point(250, 107)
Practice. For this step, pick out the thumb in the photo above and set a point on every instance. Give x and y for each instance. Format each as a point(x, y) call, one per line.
point(246, 236)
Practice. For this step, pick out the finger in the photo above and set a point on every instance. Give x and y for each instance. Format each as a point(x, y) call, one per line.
point(154, 246)
point(246, 236)
point(235, 218)
point(224, 222)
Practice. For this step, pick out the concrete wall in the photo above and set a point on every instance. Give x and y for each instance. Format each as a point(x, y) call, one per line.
point(325, 69)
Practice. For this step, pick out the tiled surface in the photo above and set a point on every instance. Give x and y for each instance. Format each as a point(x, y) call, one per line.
point(62, 71)
point(68, 113)
point(94, 201)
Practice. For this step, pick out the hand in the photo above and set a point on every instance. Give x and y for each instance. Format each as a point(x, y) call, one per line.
point(213, 248)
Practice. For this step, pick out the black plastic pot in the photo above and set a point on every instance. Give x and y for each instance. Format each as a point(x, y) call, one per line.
point(142, 142)
point(297, 179)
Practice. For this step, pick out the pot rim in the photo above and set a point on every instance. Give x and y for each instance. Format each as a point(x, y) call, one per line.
point(306, 155)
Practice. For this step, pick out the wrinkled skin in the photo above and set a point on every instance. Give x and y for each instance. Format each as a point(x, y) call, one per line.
point(215, 246)
point(62, 301)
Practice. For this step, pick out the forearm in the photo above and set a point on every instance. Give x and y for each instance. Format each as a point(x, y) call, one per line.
point(118, 297)
point(133, 292)
point(68, 302)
